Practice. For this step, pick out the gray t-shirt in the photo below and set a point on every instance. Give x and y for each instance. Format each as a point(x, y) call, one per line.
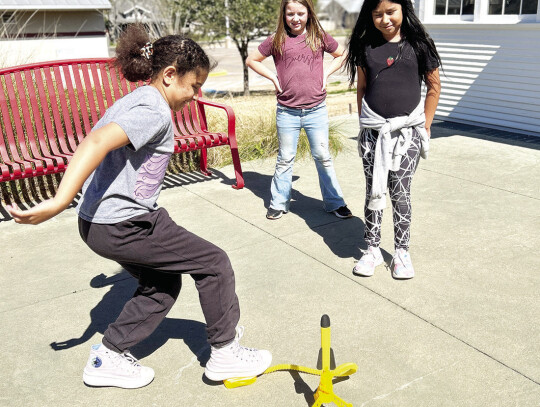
point(128, 181)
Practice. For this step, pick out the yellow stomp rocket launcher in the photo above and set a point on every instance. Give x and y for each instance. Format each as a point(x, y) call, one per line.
point(326, 368)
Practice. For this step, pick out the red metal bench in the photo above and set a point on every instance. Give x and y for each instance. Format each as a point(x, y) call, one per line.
point(46, 109)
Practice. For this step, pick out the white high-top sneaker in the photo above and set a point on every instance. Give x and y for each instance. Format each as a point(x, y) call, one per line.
point(234, 360)
point(108, 368)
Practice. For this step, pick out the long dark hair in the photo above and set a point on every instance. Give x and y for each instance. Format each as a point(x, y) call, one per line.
point(181, 52)
point(365, 33)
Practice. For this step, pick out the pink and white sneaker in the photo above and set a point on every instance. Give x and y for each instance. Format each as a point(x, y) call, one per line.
point(403, 268)
point(371, 258)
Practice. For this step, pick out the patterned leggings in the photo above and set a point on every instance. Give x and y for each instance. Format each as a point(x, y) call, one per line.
point(399, 185)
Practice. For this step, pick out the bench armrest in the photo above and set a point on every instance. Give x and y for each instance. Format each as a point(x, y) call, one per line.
point(231, 118)
point(231, 135)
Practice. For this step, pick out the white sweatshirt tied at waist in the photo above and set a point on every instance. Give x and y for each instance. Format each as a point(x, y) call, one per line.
point(394, 140)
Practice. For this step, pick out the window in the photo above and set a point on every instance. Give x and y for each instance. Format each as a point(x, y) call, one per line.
point(8, 17)
point(456, 7)
point(8, 24)
point(513, 6)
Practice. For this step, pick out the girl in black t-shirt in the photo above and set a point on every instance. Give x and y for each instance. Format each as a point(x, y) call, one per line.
point(392, 54)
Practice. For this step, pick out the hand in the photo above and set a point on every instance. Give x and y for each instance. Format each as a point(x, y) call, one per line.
point(428, 129)
point(65, 344)
point(277, 86)
point(324, 82)
point(38, 214)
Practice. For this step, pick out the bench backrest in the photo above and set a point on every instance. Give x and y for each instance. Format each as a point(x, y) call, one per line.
point(63, 100)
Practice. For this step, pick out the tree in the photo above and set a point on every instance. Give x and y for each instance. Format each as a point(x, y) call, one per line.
point(161, 17)
point(248, 20)
point(179, 14)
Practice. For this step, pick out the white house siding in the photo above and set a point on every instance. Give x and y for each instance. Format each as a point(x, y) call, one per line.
point(43, 30)
point(21, 52)
point(491, 74)
point(56, 22)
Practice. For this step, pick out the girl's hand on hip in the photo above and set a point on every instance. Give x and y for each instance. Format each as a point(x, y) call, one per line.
point(324, 82)
point(38, 214)
point(277, 86)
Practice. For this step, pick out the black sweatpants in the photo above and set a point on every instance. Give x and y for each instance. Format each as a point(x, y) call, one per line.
point(156, 251)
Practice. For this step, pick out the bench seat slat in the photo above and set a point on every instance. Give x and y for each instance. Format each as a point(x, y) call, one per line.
point(104, 74)
point(48, 150)
point(19, 132)
point(82, 98)
point(9, 134)
point(57, 130)
point(25, 108)
point(89, 96)
point(72, 102)
point(66, 114)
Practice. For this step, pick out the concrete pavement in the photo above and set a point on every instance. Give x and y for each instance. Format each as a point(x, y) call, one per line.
point(463, 332)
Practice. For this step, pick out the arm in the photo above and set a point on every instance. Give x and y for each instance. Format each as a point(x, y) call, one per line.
point(87, 157)
point(339, 58)
point(254, 61)
point(433, 83)
point(360, 88)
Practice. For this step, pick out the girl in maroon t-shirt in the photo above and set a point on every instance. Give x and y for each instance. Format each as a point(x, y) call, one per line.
point(298, 48)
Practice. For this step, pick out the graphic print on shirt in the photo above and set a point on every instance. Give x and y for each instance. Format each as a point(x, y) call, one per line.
point(307, 58)
point(151, 175)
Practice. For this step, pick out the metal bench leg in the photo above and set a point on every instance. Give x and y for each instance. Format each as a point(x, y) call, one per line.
point(237, 168)
point(204, 162)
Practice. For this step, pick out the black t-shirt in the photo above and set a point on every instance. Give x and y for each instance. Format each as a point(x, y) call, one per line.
point(393, 83)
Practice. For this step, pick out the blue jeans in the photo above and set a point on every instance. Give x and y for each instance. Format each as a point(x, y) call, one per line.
point(315, 123)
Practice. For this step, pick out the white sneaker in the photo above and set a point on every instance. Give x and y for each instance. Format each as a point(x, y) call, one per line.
point(108, 368)
point(366, 265)
point(403, 268)
point(234, 360)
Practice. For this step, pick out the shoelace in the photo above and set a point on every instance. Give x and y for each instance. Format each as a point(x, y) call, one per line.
point(242, 352)
point(368, 255)
point(402, 259)
point(131, 359)
point(127, 362)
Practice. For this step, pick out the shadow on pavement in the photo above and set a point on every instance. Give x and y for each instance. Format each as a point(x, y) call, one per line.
point(445, 129)
point(123, 286)
point(343, 236)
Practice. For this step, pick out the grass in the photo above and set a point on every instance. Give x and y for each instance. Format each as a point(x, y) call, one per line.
point(256, 131)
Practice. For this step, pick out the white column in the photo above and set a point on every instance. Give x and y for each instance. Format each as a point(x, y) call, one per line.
point(426, 10)
point(481, 8)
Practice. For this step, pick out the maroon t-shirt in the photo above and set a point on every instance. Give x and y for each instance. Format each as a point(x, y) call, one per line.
point(299, 70)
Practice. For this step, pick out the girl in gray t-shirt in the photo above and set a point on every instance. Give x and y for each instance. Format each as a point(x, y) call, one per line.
point(122, 164)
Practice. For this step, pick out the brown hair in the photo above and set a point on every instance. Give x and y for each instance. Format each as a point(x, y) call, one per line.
point(314, 31)
point(181, 52)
